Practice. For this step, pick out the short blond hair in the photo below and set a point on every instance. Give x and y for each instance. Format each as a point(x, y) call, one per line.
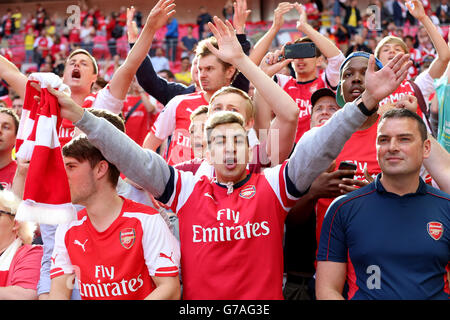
point(203, 109)
point(250, 108)
point(390, 40)
point(200, 110)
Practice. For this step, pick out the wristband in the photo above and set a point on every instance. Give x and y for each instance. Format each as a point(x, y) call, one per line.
point(360, 104)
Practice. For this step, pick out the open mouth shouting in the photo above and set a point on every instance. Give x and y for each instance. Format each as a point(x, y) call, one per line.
point(76, 74)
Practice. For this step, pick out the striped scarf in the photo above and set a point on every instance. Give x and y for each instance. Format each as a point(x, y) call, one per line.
point(46, 196)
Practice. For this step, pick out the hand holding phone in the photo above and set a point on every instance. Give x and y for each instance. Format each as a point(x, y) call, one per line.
point(345, 165)
point(300, 50)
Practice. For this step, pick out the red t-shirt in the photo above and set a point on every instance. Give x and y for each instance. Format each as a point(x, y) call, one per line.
point(311, 10)
point(119, 262)
point(6, 99)
point(102, 99)
point(231, 242)
point(138, 124)
point(7, 174)
point(403, 90)
point(43, 42)
point(24, 270)
point(175, 120)
point(301, 92)
point(361, 150)
point(74, 36)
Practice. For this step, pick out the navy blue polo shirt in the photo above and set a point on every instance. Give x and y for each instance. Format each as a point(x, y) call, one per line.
point(395, 247)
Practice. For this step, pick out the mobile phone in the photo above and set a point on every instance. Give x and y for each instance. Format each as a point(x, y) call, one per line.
point(345, 165)
point(300, 50)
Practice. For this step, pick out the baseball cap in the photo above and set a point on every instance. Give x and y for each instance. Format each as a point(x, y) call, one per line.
point(323, 92)
point(339, 97)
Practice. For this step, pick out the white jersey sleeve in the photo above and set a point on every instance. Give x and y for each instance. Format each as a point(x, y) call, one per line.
point(105, 100)
point(165, 124)
point(60, 260)
point(179, 188)
point(161, 248)
point(282, 186)
point(282, 79)
point(332, 70)
point(425, 83)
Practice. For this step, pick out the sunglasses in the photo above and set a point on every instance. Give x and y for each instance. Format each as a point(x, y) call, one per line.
point(6, 212)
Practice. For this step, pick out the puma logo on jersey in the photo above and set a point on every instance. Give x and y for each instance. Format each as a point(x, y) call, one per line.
point(189, 109)
point(53, 259)
point(162, 255)
point(209, 196)
point(78, 243)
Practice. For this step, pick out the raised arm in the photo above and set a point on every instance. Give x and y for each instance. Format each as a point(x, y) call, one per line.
point(321, 145)
point(157, 18)
point(12, 75)
point(438, 165)
point(142, 166)
point(263, 45)
point(148, 79)
point(276, 97)
point(285, 122)
point(325, 45)
point(440, 63)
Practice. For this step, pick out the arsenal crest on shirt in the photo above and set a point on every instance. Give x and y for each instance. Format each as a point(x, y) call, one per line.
point(127, 237)
point(248, 192)
point(435, 230)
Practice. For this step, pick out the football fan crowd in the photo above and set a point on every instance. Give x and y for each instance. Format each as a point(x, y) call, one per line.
point(299, 160)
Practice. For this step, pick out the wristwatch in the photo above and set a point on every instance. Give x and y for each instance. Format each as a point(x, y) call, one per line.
point(360, 104)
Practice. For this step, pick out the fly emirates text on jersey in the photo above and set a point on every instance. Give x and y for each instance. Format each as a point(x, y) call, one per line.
point(221, 232)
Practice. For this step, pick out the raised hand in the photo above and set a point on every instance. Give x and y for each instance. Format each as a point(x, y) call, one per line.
point(407, 102)
point(303, 19)
point(160, 14)
point(415, 8)
point(273, 62)
point(240, 15)
point(132, 29)
point(380, 84)
point(280, 11)
point(229, 47)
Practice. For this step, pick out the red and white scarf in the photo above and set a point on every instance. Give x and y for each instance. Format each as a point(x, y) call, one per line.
point(46, 197)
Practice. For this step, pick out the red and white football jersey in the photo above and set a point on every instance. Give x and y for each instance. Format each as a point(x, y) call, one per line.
point(405, 88)
point(140, 121)
point(232, 242)
point(103, 99)
point(175, 120)
point(301, 92)
point(7, 174)
point(119, 262)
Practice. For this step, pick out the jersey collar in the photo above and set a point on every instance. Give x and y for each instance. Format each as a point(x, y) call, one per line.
point(236, 185)
point(422, 189)
point(306, 82)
